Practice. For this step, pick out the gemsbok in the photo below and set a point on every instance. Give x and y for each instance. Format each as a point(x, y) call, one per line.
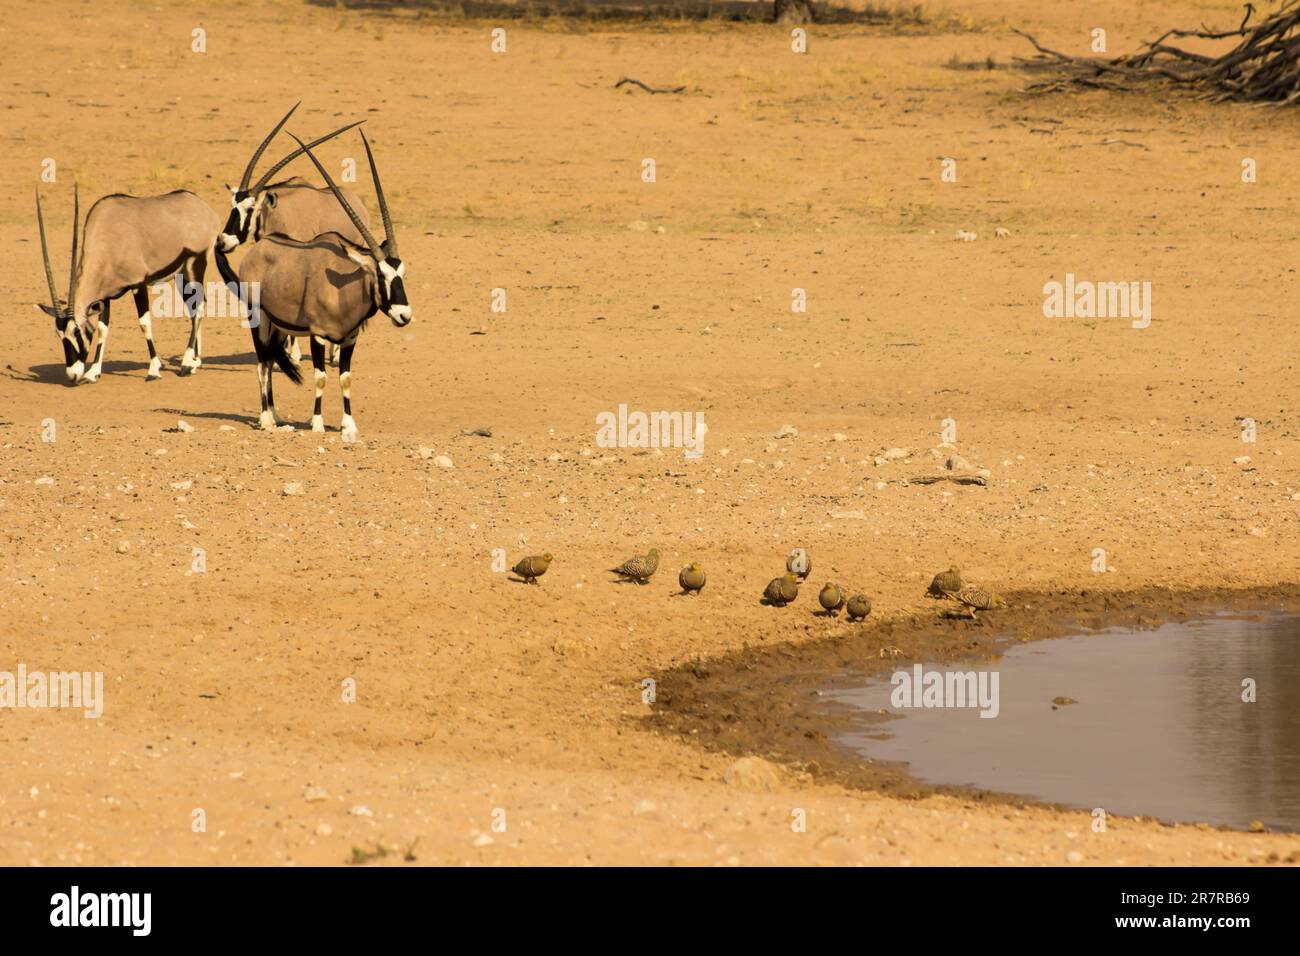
point(292, 207)
point(326, 288)
point(129, 243)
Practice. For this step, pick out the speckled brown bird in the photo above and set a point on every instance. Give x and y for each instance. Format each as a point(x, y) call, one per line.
point(832, 599)
point(691, 578)
point(799, 563)
point(640, 567)
point(859, 606)
point(944, 582)
point(532, 567)
point(781, 591)
point(977, 599)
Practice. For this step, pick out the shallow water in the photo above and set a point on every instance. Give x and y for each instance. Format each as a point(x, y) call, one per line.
point(1159, 727)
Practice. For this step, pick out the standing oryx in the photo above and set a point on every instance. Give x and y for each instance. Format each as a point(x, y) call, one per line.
point(129, 243)
point(292, 207)
point(327, 288)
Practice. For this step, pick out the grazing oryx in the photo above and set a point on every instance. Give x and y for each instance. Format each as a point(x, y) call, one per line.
point(327, 288)
point(293, 207)
point(129, 243)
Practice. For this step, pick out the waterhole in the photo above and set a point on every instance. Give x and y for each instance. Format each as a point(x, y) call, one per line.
point(1189, 722)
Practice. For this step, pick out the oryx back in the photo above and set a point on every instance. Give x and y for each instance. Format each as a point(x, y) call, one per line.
point(299, 210)
point(131, 241)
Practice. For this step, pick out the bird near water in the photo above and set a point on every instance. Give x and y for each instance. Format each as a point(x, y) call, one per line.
point(781, 591)
point(832, 599)
point(639, 568)
point(859, 607)
point(691, 578)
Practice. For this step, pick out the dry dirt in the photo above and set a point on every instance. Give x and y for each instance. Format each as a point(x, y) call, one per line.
point(522, 171)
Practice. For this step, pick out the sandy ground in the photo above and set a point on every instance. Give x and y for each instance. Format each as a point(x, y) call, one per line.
point(479, 699)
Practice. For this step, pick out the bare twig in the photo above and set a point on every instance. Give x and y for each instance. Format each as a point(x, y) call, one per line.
point(648, 89)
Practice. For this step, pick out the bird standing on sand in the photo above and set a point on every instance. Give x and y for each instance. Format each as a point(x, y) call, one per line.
point(976, 599)
point(532, 567)
point(691, 578)
point(832, 599)
point(798, 563)
point(640, 567)
point(944, 582)
point(859, 607)
point(781, 591)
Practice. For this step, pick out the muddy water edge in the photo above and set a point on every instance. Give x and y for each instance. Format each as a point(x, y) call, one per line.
point(767, 698)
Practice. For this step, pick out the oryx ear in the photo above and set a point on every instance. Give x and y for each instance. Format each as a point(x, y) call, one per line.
point(269, 201)
point(360, 258)
point(49, 310)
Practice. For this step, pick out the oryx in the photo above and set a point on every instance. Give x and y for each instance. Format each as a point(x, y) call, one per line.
point(129, 243)
point(292, 207)
point(327, 288)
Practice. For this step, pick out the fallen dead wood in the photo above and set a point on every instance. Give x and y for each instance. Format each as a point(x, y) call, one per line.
point(1263, 67)
point(648, 89)
point(955, 479)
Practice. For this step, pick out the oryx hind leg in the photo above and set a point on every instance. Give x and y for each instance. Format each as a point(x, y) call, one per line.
point(318, 376)
point(145, 318)
point(345, 385)
point(194, 271)
point(262, 347)
point(98, 342)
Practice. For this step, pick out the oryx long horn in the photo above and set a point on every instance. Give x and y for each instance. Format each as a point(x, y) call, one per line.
point(72, 278)
point(45, 253)
point(248, 172)
point(390, 240)
point(298, 152)
point(375, 251)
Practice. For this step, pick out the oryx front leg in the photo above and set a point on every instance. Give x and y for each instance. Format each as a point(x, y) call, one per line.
point(319, 376)
point(98, 342)
point(145, 317)
point(194, 271)
point(345, 385)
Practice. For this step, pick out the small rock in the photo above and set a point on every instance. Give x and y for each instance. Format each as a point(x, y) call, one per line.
point(183, 426)
point(965, 236)
point(1242, 460)
point(958, 463)
point(225, 428)
point(425, 453)
point(293, 488)
point(361, 810)
point(1074, 856)
point(182, 485)
point(1063, 701)
point(442, 461)
point(314, 794)
point(1257, 826)
point(788, 431)
point(123, 547)
point(483, 840)
point(894, 454)
point(45, 480)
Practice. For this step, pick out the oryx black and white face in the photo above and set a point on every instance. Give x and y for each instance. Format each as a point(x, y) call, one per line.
point(71, 338)
point(392, 291)
point(236, 229)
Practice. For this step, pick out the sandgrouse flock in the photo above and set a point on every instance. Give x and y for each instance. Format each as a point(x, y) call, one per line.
point(783, 590)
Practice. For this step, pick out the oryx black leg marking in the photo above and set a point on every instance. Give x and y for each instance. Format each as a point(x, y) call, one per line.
point(345, 384)
point(318, 375)
point(262, 348)
point(98, 342)
point(145, 318)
